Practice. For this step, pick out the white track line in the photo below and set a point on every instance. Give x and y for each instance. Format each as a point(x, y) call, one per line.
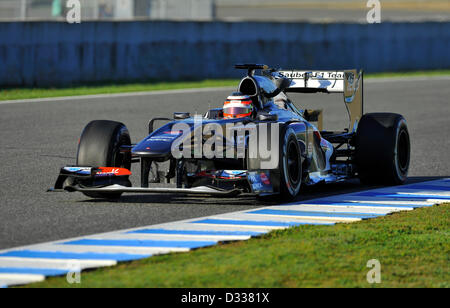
point(55, 263)
point(51, 263)
point(305, 219)
point(144, 251)
point(18, 279)
point(172, 237)
point(334, 209)
point(392, 202)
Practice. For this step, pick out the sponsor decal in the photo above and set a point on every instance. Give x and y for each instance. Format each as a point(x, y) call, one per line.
point(312, 75)
point(166, 136)
point(104, 171)
point(350, 77)
point(260, 182)
point(223, 174)
point(233, 174)
point(113, 171)
point(173, 132)
point(265, 179)
point(79, 170)
point(169, 138)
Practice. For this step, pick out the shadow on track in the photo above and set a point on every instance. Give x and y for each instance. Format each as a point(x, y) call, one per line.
point(307, 193)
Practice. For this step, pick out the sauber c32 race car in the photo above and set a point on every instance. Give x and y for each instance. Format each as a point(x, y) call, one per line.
point(258, 143)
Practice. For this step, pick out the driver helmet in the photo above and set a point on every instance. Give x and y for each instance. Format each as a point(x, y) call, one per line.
point(237, 105)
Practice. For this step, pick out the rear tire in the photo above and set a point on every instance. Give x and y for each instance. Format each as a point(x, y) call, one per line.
point(100, 145)
point(382, 149)
point(290, 166)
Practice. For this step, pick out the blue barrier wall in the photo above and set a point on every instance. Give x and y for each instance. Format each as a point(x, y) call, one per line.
point(57, 54)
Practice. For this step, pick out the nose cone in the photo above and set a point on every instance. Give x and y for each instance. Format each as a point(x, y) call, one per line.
point(157, 146)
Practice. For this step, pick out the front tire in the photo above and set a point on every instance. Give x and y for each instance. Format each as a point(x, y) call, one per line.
point(100, 145)
point(383, 149)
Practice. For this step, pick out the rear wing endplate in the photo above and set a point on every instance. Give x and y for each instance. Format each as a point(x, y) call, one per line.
point(348, 82)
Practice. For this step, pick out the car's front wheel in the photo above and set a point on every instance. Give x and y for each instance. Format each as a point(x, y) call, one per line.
point(100, 145)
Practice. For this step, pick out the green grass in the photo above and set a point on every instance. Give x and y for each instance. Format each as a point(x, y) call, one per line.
point(112, 88)
point(412, 247)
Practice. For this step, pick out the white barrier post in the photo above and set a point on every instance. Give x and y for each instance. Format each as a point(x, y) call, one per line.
point(23, 9)
point(95, 10)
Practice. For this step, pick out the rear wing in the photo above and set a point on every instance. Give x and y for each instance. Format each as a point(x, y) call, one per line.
point(348, 82)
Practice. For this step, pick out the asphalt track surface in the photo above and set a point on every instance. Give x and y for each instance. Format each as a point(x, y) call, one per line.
point(40, 137)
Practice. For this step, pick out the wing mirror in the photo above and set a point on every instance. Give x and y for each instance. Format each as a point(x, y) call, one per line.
point(181, 115)
point(267, 117)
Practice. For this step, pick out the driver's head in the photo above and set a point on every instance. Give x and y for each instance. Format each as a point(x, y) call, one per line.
point(237, 105)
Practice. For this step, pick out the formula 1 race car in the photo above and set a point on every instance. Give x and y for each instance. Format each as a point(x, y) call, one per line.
point(259, 142)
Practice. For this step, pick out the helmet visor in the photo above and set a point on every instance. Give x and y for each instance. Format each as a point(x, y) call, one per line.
point(237, 112)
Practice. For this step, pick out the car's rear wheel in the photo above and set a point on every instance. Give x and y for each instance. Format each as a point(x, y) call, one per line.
point(290, 166)
point(382, 149)
point(100, 145)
